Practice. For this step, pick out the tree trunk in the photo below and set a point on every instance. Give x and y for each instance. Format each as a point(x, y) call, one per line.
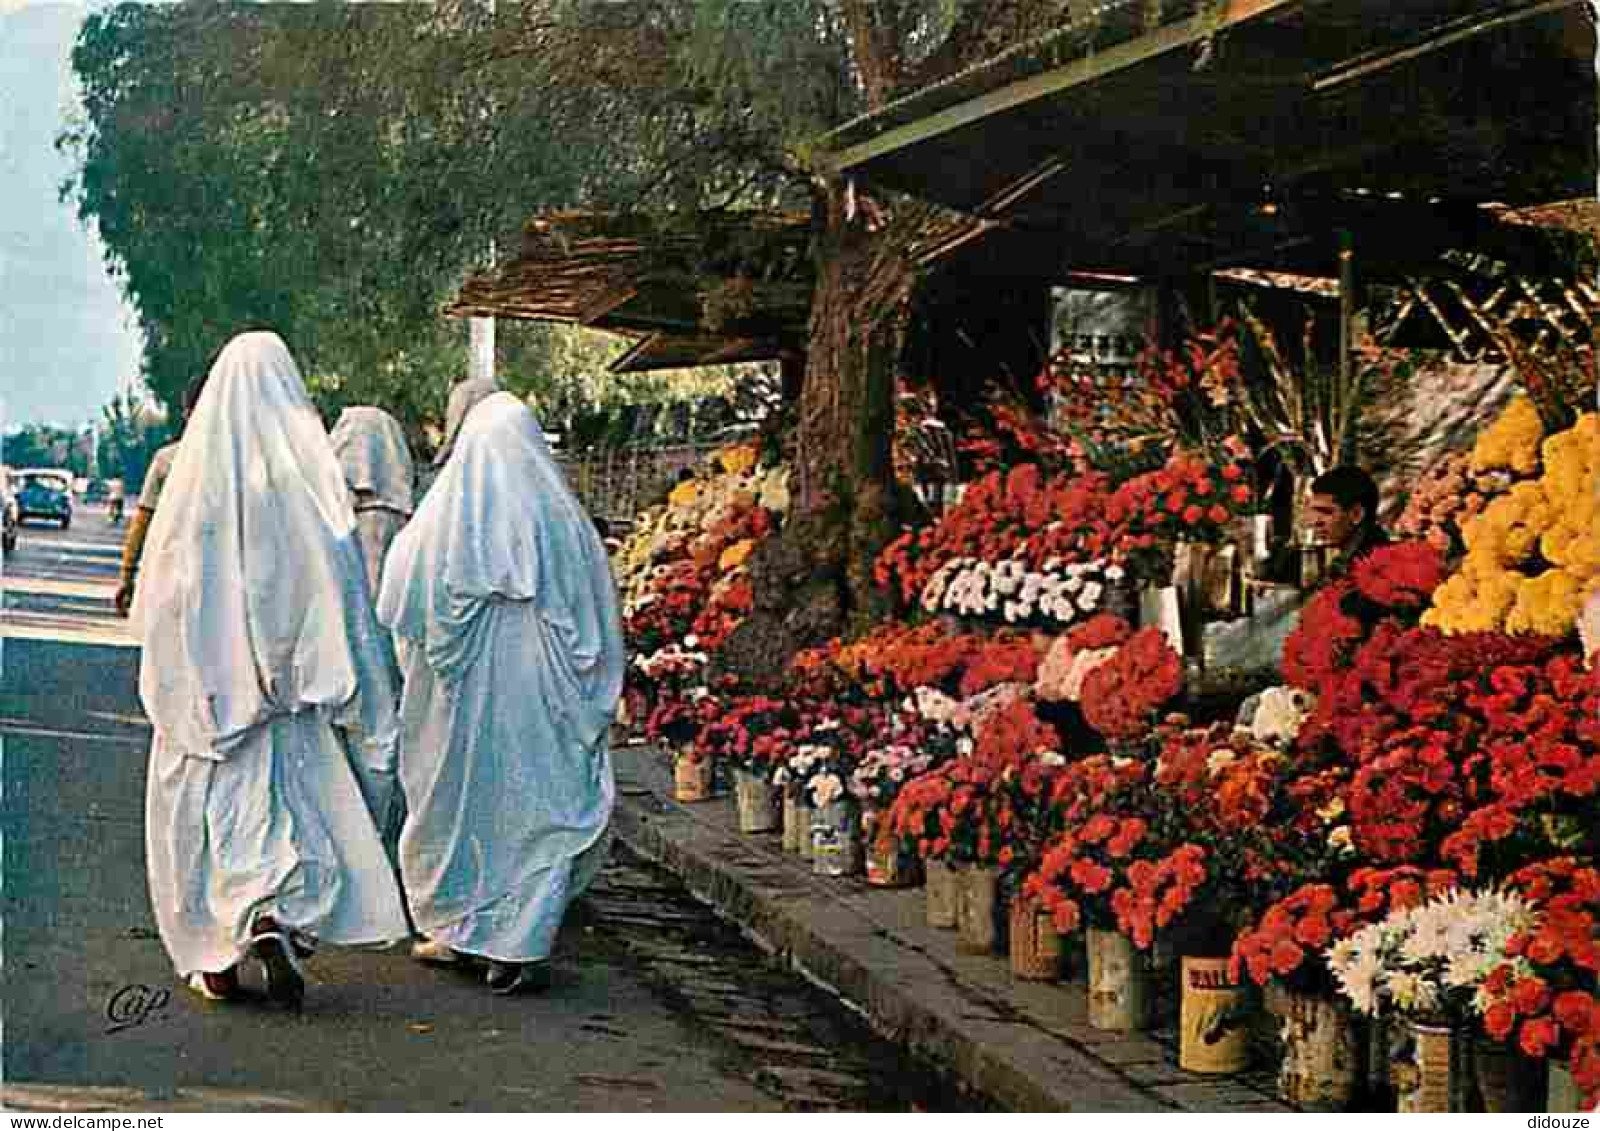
point(814, 581)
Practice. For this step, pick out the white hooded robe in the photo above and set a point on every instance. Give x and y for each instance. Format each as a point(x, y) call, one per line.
point(259, 639)
point(501, 601)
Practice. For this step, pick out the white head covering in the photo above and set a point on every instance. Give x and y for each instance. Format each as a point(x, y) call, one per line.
point(372, 450)
point(500, 523)
point(463, 399)
point(252, 598)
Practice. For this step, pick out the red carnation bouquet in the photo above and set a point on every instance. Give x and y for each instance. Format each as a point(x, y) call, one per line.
point(1545, 996)
point(1121, 696)
point(1107, 867)
point(1392, 583)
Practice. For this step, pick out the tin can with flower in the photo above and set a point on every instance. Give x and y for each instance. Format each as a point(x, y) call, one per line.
point(691, 776)
point(889, 863)
point(756, 801)
point(836, 839)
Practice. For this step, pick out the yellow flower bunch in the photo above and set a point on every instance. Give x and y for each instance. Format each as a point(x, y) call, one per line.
point(1557, 515)
point(684, 494)
point(1512, 441)
point(736, 555)
point(739, 459)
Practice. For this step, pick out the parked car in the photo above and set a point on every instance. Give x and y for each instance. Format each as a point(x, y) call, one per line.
point(8, 519)
point(43, 495)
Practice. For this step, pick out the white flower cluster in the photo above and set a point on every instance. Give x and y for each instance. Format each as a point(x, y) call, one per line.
point(1417, 960)
point(801, 764)
point(1058, 593)
point(672, 658)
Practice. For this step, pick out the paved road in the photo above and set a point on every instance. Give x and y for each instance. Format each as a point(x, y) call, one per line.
point(658, 1005)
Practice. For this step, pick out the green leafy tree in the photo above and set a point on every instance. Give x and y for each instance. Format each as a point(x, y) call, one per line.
point(335, 169)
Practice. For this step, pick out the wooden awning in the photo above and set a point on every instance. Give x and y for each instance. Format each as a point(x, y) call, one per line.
point(707, 288)
point(684, 351)
point(1249, 133)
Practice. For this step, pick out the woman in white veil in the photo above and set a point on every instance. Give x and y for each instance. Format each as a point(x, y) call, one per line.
point(372, 451)
point(259, 640)
point(503, 608)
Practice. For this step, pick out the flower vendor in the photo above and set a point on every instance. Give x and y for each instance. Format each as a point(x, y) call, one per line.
point(1342, 516)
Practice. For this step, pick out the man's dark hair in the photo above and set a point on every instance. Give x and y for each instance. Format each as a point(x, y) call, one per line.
point(1349, 486)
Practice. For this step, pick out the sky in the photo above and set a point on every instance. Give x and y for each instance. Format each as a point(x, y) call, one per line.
point(68, 341)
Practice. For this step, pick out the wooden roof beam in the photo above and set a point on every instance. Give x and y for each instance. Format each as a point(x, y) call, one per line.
point(1086, 70)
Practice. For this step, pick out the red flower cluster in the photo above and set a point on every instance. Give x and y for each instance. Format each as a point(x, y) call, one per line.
point(1393, 583)
point(1121, 695)
point(1401, 576)
point(1100, 631)
point(1446, 749)
point(677, 722)
point(1012, 736)
point(1006, 657)
point(1557, 1006)
point(1189, 499)
point(754, 732)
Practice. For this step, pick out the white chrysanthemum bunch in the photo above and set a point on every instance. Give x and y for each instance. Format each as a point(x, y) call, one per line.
point(674, 659)
point(1056, 595)
point(1425, 959)
point(799, 766)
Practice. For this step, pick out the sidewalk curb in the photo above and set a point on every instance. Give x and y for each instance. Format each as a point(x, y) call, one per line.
point(1026, 1046)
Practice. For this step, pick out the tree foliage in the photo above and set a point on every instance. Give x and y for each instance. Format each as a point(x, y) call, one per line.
point(334, 169)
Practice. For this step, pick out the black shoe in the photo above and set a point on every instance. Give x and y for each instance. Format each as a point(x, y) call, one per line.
point(507, 978)
point(271, 946)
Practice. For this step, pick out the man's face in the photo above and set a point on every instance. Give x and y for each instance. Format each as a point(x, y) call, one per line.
point(1329, 522)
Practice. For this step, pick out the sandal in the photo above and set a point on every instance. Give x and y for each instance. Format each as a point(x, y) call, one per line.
point(217, 985)
point(436, 953)
point(275, 950)
point(507, 978)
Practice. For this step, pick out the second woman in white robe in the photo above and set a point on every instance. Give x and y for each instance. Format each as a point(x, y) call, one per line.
point(501, 600)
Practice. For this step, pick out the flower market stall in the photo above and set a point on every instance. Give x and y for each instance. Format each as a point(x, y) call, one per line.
point(1384, 845)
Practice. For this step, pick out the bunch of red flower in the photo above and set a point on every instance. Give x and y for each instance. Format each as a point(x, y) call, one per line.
point(1024, 513)
point(914, 816)
point(730, 603)
point(1465, 751)
point(1393, 583)
point(1012, 736)
point(1556, 1006)
point(1102, 809)
point(1112, 871)
point(1008, 656)
point(677, 722)
point(926, 657)
point(1190, 499)
point(754, 732)
point(1305, 922)
point(1121, 696)
point(678, 592)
